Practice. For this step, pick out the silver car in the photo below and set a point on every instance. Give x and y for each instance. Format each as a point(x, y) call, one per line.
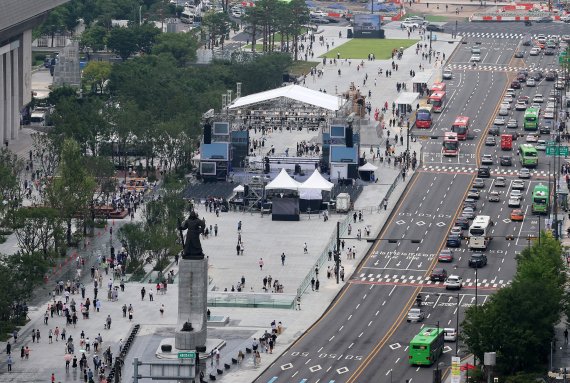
point(415, 315)
point(524, 173)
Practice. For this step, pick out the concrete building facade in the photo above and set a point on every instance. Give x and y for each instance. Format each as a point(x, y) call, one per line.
point(17, 18)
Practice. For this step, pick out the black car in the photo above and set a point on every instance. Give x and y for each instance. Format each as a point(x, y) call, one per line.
point(462, 223)
point(528, 23)
point(544, 129)
point(536, 75)
point(506, 161)
point(453, 241)
point(434, 28)
point(484, 172)
point(515, 84)
point(477, 260)
point(495, 130)
point(438, 274)
point(550, 76)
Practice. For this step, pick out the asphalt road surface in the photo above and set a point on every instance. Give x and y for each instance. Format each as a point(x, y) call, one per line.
point(364, 335)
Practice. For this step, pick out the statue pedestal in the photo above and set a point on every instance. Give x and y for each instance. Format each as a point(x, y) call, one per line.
point(192, 303)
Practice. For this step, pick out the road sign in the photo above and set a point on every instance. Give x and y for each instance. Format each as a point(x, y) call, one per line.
point(187, 355)
point(557, 150)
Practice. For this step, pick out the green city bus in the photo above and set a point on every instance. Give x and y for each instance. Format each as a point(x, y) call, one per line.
point(426, 347)
point(528, 155)
point(540, 196)
point(531, 119)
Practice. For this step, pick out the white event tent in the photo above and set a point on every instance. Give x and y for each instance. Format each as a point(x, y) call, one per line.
point(283, 181)
point(292, 92)
point(311, 189)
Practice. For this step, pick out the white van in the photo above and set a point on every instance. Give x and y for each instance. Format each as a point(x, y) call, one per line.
point(187, 17)
point(38, 118)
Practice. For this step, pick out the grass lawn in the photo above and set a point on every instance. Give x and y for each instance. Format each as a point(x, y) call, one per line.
point(434, 18)
point(361, 48)
point(299, 68)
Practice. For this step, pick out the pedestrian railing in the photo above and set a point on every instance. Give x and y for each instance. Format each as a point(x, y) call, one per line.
point(330, 246)
point(250, 299)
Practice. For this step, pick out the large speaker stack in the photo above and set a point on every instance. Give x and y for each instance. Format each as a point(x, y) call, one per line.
point(207, 133)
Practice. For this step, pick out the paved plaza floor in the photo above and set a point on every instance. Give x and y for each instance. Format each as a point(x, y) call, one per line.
point(262, 238)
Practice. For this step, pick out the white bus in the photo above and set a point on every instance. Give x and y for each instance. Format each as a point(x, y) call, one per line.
point(480, 232)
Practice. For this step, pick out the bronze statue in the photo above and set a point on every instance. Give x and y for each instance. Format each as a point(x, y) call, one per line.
point(195, 227)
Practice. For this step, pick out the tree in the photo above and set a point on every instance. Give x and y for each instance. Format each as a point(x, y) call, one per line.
point(71, 192)
point(103, 171)
point(123, 42)
point(135, 239)
point(94, 38)
point(59, 93)
point(10, 193)
point(218, 24)
point(96, 73)
point(518, 321)
point(38, 230)
point(47, 148)
point(181, 46)
point(146, 36)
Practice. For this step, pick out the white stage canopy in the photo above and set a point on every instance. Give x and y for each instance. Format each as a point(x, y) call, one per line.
point(239, 189)
point(293, 92)
point(316, 181)
point(283, 181)
point(367, 167)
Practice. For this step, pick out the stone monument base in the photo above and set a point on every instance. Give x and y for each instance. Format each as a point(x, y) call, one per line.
point(210, 345)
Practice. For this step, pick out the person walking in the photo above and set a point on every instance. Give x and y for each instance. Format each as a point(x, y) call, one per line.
point(38, 335)
point(9, 362)
point(261, 263)
point(143, 292)
point(283, 259)
point(108, 322)
point(33, 335)
point(305, 248)
point(161, 310)
point(150, 295)
point(317, 284)
point(313, 283)
point(8, 348)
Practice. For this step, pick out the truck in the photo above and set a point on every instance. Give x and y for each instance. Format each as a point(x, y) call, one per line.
point(506, 142)
point(343, 203)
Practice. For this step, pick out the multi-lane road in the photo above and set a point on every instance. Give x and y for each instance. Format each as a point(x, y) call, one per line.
point(364, 335)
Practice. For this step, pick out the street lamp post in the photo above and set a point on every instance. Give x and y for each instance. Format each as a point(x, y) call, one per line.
point(457, 328)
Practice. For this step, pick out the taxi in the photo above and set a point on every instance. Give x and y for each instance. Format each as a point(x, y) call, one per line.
point(517, 215)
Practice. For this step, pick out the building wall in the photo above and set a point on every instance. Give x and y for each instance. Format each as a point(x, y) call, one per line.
point(17, 18)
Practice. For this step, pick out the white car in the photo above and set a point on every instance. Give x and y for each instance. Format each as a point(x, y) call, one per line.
point(524, 173)
point(510, 92)
point(530, 82)
point(409, 24)
point(549, 113)
point(500, 182)
point(487, 159)
point(534, 51)
point(476, 49)
point(494, 196)
point(453, 282)
point(506, 104)
point(415, 315)
point(447, 74)
point(319, 13)
point(531, 138)
point(516, 193)
point(449, 334)
point(508, 98)
point(517, 185)
point(475, 58)
point(514, 202)
point(538, 98)
point(520, 105)
point(503, 111)
point(499, 121)
point(540, 145)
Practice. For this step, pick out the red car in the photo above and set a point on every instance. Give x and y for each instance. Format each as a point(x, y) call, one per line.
point(446, 255)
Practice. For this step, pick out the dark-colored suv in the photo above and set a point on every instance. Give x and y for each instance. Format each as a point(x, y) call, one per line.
point(484, 172)
point(477, 260)
point(438, 274)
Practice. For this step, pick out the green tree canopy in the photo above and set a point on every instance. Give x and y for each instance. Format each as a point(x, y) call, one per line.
point(123, 42)
point(181, 46)
point(518, 321)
